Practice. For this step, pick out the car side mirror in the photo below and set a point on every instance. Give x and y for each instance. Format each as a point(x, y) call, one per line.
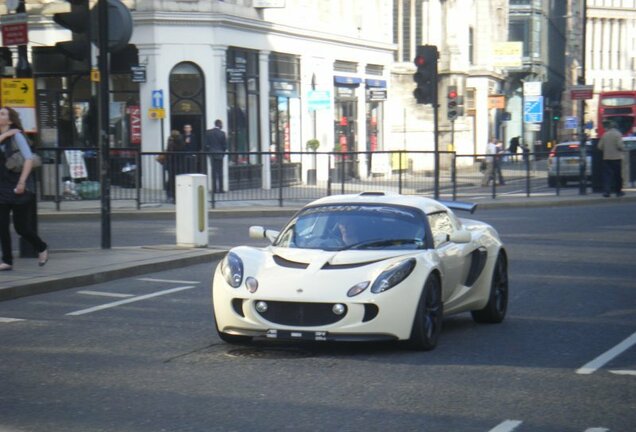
point(461, 236)
point(259, 232)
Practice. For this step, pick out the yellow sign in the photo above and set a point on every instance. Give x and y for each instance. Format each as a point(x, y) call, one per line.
point(18, 92)
point(156, 113)
point(95, 75)
point(508, 54)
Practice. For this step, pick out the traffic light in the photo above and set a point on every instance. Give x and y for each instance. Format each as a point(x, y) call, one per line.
point(556, 112)
point(78, 21)
point(452, 103)
point(426, 75)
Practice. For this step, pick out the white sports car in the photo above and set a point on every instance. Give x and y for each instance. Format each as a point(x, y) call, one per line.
point(373, 266)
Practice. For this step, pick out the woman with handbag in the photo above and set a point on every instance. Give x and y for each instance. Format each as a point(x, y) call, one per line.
point(16, 188)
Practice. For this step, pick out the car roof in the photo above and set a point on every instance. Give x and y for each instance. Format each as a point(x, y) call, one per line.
point(427, 205)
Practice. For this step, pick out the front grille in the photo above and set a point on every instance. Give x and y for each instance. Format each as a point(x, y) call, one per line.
point(301, 314)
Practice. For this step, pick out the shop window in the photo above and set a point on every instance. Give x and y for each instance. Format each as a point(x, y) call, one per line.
point(242, 104)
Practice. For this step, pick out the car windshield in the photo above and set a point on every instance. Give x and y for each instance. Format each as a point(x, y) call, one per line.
point(355, 227)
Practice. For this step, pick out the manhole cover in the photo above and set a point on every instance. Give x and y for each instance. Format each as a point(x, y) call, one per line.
point(268, 353)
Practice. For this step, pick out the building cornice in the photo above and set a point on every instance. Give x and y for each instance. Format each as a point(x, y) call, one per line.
point(222, 20)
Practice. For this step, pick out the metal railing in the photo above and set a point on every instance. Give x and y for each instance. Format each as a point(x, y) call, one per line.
point(290, 177)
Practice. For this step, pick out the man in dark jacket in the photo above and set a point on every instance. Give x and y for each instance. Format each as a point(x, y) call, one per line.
point(216, 145)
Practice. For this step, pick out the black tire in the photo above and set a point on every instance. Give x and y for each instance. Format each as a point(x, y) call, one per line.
point(495, 310)
point(427, 323)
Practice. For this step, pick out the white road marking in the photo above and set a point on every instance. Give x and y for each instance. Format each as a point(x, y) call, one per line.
point(623, 372)
point(129, 300)
point(506, 426)
point(601, 429)
point(168, 281)
point(9, 320)
point(598, 362)
point(105, 294)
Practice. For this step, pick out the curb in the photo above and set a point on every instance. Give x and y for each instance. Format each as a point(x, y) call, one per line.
point(89, 277)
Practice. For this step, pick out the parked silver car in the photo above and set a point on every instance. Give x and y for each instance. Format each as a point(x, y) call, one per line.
point(563, 163)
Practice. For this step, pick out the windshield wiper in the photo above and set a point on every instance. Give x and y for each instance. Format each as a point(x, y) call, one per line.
point(384, 243)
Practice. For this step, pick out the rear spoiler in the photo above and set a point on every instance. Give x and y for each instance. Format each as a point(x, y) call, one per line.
point(458, 205)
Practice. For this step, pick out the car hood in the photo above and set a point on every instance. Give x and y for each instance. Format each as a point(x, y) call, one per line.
point(321, 274)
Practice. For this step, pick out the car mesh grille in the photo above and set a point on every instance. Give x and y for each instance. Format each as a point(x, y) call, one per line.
point(301, 314)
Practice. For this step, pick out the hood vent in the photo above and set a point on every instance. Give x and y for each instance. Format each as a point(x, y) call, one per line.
point(329, 266)
point(289, 264)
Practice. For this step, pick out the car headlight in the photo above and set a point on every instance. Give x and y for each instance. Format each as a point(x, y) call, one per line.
point(232, 269)
point(393, 275)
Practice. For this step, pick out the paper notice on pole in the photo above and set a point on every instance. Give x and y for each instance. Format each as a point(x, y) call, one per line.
point(76, 164)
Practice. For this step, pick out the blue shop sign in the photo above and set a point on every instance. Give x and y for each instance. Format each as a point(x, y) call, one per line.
point(345, 80)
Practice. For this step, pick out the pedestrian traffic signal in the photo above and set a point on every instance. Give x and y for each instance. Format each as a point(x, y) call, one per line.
point(426, 74)
point(78, 21)
point(452, 103)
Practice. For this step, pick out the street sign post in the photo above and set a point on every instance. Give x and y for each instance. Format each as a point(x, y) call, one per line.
point(533, 109)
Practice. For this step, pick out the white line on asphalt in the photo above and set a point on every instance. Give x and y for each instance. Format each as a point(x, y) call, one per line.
point(598, 362)
point(105, 294)
point(129, 300)
point(9, 320)
point(623, 372)
point(506, 426)
point(168, 281)
point(601, 429)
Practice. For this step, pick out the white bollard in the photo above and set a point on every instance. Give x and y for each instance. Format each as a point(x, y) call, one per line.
point(192, 210)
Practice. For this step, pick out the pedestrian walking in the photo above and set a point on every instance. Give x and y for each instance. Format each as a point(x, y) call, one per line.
point(216, 146)
point(612, 146)
point(491, 154)
point(17, 186)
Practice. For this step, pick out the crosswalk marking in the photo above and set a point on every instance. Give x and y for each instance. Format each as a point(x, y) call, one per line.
point(9, 320)
point(105, 294)
point(129, 300)
point(506, 426)
point(168, 281)
point(598, 362)
point(624, 372)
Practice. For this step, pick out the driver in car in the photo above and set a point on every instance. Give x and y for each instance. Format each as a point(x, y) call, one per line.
point(348, 232)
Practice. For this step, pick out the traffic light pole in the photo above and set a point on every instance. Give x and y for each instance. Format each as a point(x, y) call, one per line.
point(104, 119)
point(436, 132)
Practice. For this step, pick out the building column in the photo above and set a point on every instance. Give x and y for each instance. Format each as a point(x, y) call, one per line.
point(216, 102)
point(263, 87)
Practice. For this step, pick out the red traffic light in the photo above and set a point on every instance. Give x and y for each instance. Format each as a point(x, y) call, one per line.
point(452, 94)
point(419, 60)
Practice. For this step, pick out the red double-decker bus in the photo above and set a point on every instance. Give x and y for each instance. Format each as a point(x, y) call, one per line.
point(619, 106)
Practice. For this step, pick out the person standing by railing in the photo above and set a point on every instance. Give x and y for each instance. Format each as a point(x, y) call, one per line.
point(612, 146)
point(175, 163)
point(216, 146)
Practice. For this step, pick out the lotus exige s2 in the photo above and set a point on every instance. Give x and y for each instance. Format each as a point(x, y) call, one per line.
point(371, 266)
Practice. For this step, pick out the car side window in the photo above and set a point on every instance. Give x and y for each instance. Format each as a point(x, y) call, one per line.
point(441, 227)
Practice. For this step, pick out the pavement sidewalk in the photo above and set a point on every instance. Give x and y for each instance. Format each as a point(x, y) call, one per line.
point(80, 267)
